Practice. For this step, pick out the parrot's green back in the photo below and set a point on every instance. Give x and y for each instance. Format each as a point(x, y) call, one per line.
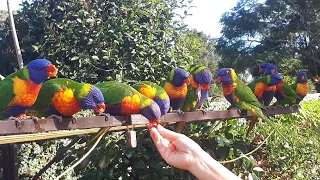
point(288, 91)
point(245, 94)
point(293, 86)
point(191, 99)
point(114, 92)
point(159, 90)
point(264, 79)
point(49, 89)
point(6, 88)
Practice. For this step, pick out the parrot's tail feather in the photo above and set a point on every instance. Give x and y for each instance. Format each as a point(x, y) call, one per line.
point(102, 132)
point(266, 119)
point(252, 123)
point(180, 127)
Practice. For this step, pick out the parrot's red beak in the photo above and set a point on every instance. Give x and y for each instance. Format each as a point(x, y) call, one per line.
point(154, 123)
point(187, 81)
point(260, 70)
point(100, 108)
point(273, 71)
point(52, 70)
point(302, 78)
point(204, 86)
point(219, 79)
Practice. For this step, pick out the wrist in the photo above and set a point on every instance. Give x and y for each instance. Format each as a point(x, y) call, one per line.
point(207, 168)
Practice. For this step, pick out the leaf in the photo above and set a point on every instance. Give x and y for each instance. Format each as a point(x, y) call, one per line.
point(74, 58)
point(95, 57)
point(35, 47)
point(103, 162)
point(258, 169)
point(138, 164)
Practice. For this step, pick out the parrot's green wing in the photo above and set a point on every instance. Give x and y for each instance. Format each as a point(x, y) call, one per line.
point(47, 92)
point(6, 87)
point(114, 92)
point(244, 93)
point(288, 91)
point(294, 86)
point(190, 100)
point(264, 79)
point(159, 89)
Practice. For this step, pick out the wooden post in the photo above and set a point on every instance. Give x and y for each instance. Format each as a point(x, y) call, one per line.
point(10, 161)
point(14, 36)
point(10, 151)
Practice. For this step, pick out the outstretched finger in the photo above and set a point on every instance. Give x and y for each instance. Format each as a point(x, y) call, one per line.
point(166, 133)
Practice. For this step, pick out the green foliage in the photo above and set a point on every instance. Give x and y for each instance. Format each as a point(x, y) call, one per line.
point(97, 40)
point(255, 32)
point(299, 159)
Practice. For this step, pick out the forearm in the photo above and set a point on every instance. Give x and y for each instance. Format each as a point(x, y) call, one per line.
point(206, 168)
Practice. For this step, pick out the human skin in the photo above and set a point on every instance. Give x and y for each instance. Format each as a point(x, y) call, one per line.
point(182, 152)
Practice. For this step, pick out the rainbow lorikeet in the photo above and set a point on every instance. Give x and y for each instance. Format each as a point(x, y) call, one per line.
point(285, 95)
point(264, 88)
point(122, 99)
point(19, 90)
point(263, 67)
point(301, 86)
point(64, 97)
point(154, 92)
point(239, 94)
point(271, 69)
point(198, 91)
point(176, 88)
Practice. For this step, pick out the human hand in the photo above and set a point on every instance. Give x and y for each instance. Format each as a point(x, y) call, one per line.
point(176, 149)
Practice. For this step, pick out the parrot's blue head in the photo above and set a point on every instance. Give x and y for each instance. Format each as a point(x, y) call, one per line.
point(178, 77)
point(226, 76)
point(302, 77)
point(276, 79)
point(151, 112)
point(271, 69)
point(263, 67)
point(203, 78)
point(93, 100)
point(163, 103)
point(40, 69)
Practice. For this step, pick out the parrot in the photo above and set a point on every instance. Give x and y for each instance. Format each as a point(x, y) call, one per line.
point(62, 97)
point(301, 86)
point(176, 88)
point(198, 91)
point(154, 92)
point(263, 67)
point(19, 90)
point(122, 99)
point(271, 69)
point(285, 95)
point(239, 94)
point(264, 88)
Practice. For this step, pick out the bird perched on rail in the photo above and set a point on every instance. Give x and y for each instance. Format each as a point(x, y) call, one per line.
point(122, 99)
point(62, 97)
point(239, 94)
point(176, 88)
point(264, 88)
point(198, 91)
point(301, 86)
point(154, 92)
point(285, 95)
point(19, 90)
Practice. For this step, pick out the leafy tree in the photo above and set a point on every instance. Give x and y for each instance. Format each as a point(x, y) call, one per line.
point(271, 31)
point(97, 40)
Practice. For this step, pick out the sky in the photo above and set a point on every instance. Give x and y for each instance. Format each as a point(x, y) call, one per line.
point(205, 16)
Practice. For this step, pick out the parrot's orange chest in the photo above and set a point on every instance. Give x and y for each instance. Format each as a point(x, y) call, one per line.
point(65, 102)
point(175, 92)
point(26, 92)
point(130, 104)
point(302, 89)
point(228, 88)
